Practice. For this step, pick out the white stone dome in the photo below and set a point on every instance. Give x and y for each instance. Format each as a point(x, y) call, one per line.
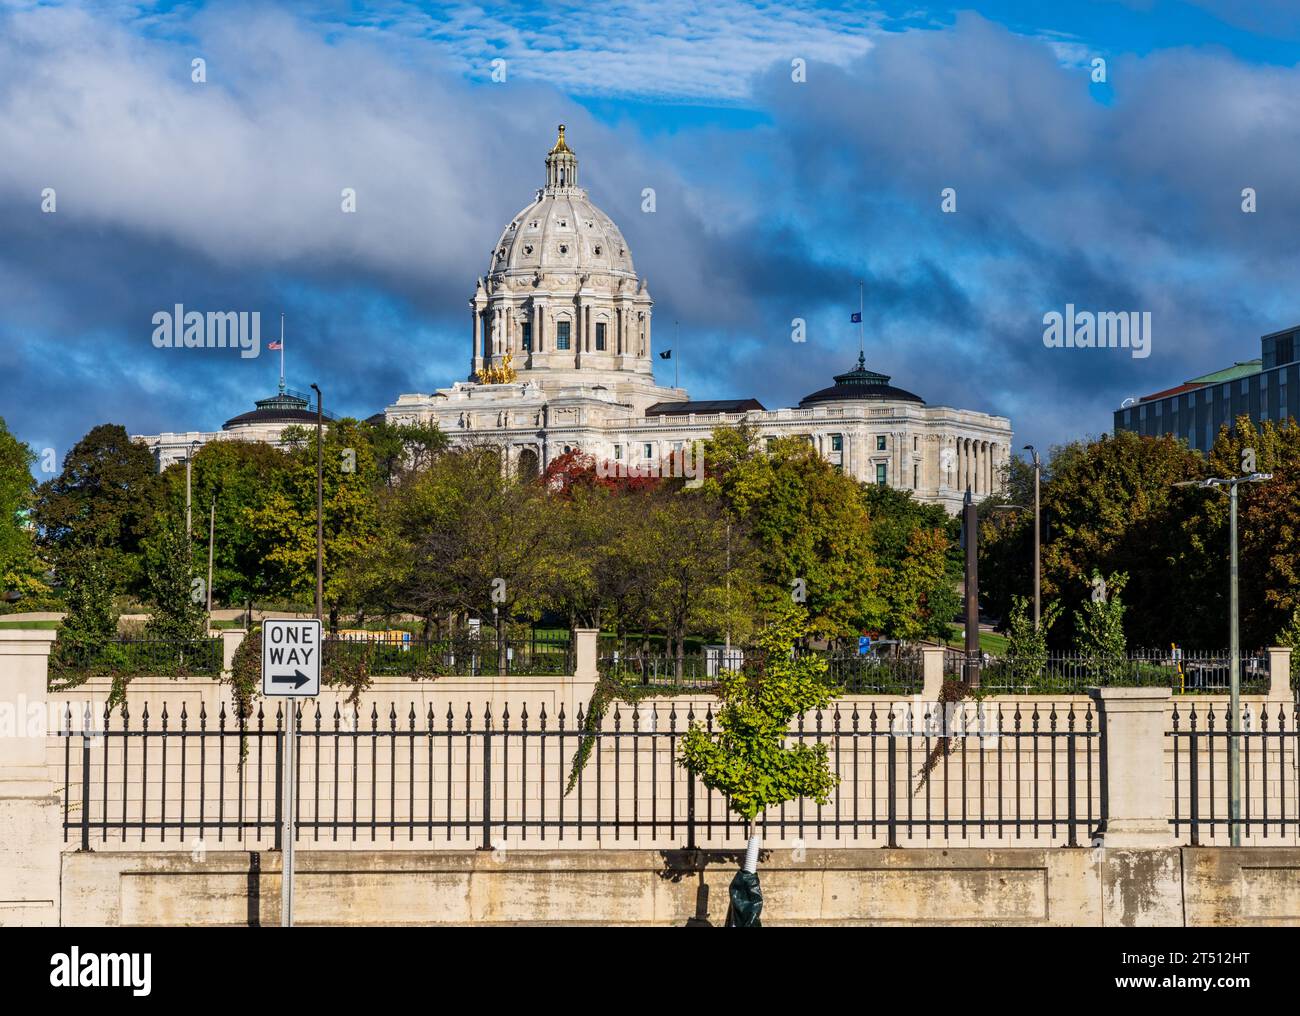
point(561, 231)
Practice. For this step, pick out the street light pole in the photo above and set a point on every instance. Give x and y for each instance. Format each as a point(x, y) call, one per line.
point(320, 508)
point(1234, 647)
point(1038, 529)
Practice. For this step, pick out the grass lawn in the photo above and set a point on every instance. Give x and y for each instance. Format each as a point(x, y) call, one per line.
point(990, 642)
point(30, 624)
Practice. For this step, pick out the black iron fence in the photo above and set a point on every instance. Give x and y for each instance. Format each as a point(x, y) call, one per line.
point(481, 652)
point(974, 773)
point(896, 673)
point(71, 662)
point(1185, 672)
point(1267, 740)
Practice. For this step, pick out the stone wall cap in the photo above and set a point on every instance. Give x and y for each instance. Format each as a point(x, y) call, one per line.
point(28, 634)
point(1131, 694)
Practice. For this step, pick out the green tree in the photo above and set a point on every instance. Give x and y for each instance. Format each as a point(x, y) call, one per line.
point(1027, 645)
point(238, 477)
point(404, 448)
point(920, 578)
point(175, 614)
point(748, 759)
point(688, 567)
point(1099, 625)
point(21, 571)
point(284, 522)
point(102, 500)
point(92, 616)
point(811, 527)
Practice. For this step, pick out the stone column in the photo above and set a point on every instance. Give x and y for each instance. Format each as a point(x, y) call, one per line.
point(30, 822)
point(1133, 725)
point(478, 338)
point(230, 640)
point(1279, 672)
point(585, 672)
point(931, 672)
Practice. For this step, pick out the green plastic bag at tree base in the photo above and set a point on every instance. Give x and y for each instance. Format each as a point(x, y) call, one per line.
point(746, 901)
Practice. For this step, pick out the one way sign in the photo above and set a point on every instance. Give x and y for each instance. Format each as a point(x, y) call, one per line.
point(291, 649)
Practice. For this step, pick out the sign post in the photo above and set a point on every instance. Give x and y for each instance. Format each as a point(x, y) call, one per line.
point(291, 652)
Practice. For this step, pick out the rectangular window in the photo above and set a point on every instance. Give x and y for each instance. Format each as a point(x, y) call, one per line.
point(1245, 386)
point(647, 451)
point(837, 442)
point(881, 476)
point(916, 477)
point(880, 442)
point(1285, 349)
point(600, 336)
point(561, 335)
point(618, 451)
point(526, 336)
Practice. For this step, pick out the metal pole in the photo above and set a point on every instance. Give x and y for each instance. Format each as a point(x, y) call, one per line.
point(320, 509)
point(1234, 681)
point(188, 460)
point(212, 528)
point(970, 525)
point(1038, 552)
point(287, 819)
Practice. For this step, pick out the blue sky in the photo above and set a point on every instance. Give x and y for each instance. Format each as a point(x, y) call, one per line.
point(774, 196)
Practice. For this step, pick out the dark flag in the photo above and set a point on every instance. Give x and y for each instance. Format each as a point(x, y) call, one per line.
point(856, 317)
point(667, 354)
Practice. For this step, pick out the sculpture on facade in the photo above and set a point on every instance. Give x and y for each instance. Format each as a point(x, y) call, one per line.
point(502, 375)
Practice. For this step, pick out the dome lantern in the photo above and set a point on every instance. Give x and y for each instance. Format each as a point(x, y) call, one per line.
point(561, 165)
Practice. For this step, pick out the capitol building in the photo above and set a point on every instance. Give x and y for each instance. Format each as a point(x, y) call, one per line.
point(562, 359)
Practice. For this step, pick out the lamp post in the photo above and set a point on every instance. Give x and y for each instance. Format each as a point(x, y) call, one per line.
point(970, 540)
point(189, 460)
point(320, 508)
point(1234, 645)
point(1038, 529)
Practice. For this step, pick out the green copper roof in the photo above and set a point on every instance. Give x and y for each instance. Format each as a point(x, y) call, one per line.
point(1243, 368)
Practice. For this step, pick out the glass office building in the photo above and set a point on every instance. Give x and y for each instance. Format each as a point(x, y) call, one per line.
point(1263, 389)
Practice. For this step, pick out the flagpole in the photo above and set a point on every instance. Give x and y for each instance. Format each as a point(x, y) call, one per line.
point(282, 352)
point(861, 351)
point(678, 358)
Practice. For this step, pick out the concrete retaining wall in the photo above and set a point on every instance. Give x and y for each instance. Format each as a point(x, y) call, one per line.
point(1166, 887)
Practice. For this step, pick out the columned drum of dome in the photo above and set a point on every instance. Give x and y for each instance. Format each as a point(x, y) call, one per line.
point(561, 296)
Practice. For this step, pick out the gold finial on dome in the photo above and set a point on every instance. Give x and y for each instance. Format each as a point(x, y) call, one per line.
point(560, 144)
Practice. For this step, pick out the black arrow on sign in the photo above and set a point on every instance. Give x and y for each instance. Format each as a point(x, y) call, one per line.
point(297, 679)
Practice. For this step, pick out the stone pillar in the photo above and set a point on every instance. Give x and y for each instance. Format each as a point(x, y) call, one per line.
point(478, 338)
point(931, 672)
point(1133, 725)
point(30, 816)
point(1279, 672)
point(230, 640)
point(585, 672)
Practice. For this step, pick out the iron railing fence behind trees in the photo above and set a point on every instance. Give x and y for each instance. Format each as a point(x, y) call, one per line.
point(1073, 673)
point(470, 653)
point(1013, 774)
point(1267, 742)
point(72, 661)
point(899, 672)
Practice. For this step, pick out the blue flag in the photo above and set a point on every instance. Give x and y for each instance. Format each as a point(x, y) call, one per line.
point(667, 354)
point(856, 317)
